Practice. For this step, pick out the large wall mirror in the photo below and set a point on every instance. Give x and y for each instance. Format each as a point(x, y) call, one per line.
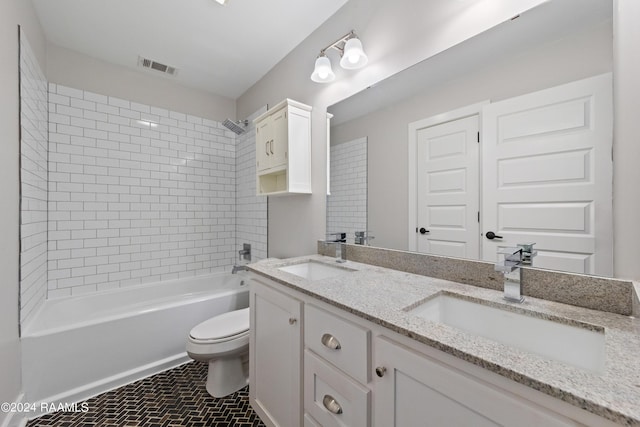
point(503, 139)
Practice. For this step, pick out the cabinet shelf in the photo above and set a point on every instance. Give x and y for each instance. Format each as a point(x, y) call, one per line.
point(283, 150)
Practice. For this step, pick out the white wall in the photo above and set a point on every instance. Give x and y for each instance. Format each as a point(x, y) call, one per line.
point(73, 69)
point(12, 14)
point(130, 203)
point(422, 28)
point(575, 57)
point(251, 210)
point(626, 152)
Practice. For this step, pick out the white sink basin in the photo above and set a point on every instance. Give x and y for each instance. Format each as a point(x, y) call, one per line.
point(315, 270)
point(575, 345)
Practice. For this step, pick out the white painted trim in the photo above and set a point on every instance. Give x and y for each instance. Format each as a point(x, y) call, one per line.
point(15, 419)
point(329, 117)
point(104, 385)
point(460, 113)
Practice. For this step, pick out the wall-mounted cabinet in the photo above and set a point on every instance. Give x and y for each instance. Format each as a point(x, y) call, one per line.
point(283, 149)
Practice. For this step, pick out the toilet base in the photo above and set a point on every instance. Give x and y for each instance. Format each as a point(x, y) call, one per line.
point(226, 376)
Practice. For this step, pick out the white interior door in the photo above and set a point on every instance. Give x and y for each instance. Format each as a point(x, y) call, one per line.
point(447, 169)
point(547, 175)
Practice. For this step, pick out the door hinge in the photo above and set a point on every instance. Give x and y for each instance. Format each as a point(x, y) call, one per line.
point(478, 216)
point(478, 137)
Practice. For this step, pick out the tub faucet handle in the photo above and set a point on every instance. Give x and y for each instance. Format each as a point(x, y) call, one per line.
point(245, 252)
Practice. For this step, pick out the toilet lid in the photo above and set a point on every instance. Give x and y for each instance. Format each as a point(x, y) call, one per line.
point(223, 325)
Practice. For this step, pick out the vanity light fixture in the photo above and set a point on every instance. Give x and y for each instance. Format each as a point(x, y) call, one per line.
point(351, 53)
point(322, 72)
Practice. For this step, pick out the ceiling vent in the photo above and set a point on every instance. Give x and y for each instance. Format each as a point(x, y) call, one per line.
point(153, 65)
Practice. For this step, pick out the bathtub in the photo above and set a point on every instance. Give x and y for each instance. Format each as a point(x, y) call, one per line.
point(77, 347)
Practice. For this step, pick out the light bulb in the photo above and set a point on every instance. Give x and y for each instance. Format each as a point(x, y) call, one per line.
point(353, 56)
point(322, 72)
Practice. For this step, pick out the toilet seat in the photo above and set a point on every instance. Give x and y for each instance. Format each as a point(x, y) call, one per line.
point(219, 340)
point(224, 327)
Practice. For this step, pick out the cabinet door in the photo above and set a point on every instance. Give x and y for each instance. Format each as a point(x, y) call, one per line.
point(263, 144)
point(275, 359)
point(280, 139)
point(416, 390)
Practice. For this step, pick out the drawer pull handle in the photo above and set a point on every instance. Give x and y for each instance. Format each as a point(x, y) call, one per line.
point(331, 404)
point(380, 371)
point(331, 342)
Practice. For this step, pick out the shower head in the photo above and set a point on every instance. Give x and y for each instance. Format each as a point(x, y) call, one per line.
point(239, 126)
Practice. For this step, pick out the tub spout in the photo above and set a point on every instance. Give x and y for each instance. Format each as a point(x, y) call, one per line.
point(237, 268)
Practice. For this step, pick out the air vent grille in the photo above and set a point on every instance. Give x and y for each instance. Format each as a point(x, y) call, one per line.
point(157, 66)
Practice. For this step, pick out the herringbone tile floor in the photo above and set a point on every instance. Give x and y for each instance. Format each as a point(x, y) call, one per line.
point(169, 399)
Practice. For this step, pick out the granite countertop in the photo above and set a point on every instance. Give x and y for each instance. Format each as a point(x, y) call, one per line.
point(383, 296)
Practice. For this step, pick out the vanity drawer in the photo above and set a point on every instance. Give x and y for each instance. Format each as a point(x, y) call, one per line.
point(339, 341)
point(333, 398)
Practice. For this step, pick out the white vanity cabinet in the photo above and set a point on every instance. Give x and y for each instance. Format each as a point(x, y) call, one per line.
point(283, 149)
point(275, 361)
point(353, 372)
point(413, 387)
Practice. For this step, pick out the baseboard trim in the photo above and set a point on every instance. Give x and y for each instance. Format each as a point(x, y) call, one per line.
point(15, 419)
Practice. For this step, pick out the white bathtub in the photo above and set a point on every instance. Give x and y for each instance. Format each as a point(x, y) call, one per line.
point(81, 346)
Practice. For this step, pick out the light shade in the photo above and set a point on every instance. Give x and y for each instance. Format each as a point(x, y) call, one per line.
point(353, 56)
point(322, 72)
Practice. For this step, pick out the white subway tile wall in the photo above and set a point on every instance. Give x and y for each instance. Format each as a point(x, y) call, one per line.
point(347, 204)
point(137, 194)
point(251, 210)
point(33, 183)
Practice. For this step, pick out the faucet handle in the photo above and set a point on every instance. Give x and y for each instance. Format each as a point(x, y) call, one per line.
point(338, 237)
point(527, 253)
point(511, 254)
point(527, 247)
point(509, 250)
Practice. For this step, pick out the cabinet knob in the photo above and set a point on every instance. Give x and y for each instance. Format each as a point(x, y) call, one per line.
point(380, 371)
point(331, 342)
point(292, 320)
point(331, 404)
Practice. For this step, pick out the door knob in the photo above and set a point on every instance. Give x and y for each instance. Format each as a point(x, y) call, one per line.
point(423, 230)
point(491, 235)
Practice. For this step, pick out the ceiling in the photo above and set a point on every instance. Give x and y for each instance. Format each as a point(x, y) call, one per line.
point(223, 50)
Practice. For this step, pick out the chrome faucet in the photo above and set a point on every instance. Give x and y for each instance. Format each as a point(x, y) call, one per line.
point(363, 237)
point(237, 268)
point(338, 240)
point(244, 254)
point(511, 268)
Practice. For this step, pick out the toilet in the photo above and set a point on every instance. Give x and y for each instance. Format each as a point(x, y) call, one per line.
point(223, 341)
